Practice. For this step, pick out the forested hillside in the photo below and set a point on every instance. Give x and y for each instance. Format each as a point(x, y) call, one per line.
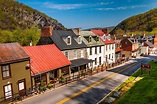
point(14, 14)
point(20, 23)
point(146, 22)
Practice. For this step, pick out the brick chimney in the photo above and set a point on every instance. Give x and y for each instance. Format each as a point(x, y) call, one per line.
point(105, 31)
point(155, 39)
point(77, 31)
point(46, 31)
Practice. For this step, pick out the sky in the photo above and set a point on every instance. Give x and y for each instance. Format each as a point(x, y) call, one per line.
point(90, 13)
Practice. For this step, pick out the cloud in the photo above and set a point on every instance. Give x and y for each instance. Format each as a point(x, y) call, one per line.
point(105, 3)
point(74, 6)
point(64, 6)
point(123, 8)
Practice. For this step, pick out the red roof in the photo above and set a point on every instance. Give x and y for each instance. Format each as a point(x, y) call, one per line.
point(108, 41)
point(98, 32)
point(45, 58)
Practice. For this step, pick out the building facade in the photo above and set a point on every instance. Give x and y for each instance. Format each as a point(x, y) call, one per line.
point(70, 44)
point(15, 77)
point(95, 49)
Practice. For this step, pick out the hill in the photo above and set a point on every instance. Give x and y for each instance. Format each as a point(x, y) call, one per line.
point(146, 22)
point(110, 28)
point(15, 14)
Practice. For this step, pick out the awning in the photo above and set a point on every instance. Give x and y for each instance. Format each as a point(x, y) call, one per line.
point(79, 62)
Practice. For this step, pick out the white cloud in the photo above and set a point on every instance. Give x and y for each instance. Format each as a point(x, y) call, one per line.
point(105, 3)
point(73, 6)
point(64, 6)
point(123, 8)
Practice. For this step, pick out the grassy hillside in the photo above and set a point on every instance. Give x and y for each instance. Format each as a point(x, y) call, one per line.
point(142, 23)
point(15, 15)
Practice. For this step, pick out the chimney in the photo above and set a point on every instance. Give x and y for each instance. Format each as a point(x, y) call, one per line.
point(155, 39)
point(46, 31)
point(105, 31)
point(77, 31)
point(115, 38)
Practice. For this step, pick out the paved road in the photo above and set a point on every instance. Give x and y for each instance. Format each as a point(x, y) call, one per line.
point(89, 90)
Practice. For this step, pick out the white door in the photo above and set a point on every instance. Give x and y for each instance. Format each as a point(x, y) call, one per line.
point(8, 91)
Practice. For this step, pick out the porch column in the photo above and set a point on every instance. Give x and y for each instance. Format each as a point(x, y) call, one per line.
point(59, 73)
point(48, 77)
point(33, 82)
point(69, 70)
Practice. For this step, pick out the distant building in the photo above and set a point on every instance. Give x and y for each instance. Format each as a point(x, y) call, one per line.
point(129, 47)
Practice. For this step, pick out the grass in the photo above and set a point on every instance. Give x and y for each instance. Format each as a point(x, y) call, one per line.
point(143, 91)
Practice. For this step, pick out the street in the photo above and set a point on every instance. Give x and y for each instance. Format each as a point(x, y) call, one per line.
point(90, 90)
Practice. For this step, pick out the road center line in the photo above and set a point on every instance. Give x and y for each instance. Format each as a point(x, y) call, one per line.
point(93, 85)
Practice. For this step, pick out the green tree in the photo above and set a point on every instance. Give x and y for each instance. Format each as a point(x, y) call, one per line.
point(5, 36)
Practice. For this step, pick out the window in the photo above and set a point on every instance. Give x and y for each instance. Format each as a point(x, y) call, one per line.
point(79, 40)
point(6, 71)
point(100, 49)
point(99, 60)
point(90, 39)
point(95, 61)
point(68, 40)
point(90, 50)
point(109, 47)
point(65, 71)
point(112, 55)
point(106, 47)
point(67, 54)
point(8, 91)
point(82, 53)
point(40, 77)
point(75, 54)
point(112, 46)
point(21, 85)
point(97, 39)
point(95, 50)
point(109, 56)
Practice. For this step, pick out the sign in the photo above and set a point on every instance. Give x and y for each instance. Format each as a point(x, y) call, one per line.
point(145, 66)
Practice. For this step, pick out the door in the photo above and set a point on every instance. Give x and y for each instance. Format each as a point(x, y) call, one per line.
point(22, 87)
point(8, 91)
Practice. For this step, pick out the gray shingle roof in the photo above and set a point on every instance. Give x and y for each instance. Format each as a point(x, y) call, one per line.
point(57, 38)
point(149, 44)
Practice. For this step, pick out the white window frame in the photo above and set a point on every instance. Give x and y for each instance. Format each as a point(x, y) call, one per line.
point(69, 37)
point(79, 40)
point(67, 54)
point(82, 53)
point(6, 71)
point(8, 91)
point(75, 54)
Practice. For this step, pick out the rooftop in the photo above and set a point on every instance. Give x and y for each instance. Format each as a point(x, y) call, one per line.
point(45, 58)
point(12, 52)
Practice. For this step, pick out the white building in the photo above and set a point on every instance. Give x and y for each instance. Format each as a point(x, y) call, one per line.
point(95, 48)
point(109, 46)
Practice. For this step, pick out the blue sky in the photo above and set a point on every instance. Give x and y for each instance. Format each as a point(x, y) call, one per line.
point(90, 13)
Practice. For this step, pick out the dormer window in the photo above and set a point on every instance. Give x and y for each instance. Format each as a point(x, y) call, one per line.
point(68, 40)
point(97, 39)
point(90, 39)
point(79, 40)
